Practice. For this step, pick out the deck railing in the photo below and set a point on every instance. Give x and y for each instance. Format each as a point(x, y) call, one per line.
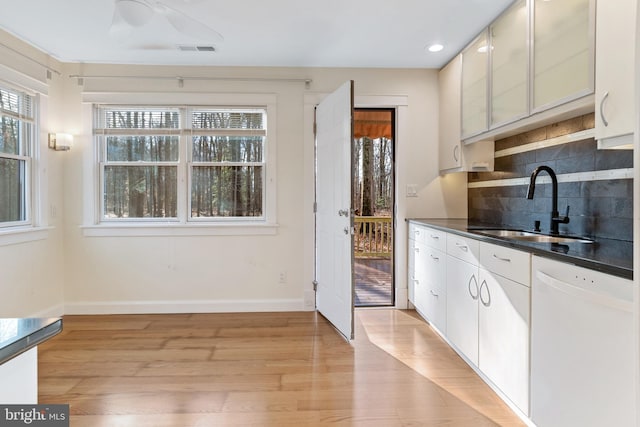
point(373, 237)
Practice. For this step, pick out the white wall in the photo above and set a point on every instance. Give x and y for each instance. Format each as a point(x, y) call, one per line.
point(31, 264)
point(230, 273)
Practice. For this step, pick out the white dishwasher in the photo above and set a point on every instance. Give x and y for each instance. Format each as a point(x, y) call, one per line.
point(582, 366)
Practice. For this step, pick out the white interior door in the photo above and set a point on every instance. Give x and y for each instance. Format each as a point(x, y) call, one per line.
point(334, 278)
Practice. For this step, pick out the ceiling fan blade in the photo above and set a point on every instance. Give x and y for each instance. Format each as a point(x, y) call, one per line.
point(120, 29)
point(188, 25)
point(134, 12)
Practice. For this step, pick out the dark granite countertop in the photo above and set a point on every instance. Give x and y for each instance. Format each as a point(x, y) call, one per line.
point(606, 255)
point(20, 335)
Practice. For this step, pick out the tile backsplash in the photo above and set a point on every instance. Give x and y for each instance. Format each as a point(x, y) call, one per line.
point(599, 207)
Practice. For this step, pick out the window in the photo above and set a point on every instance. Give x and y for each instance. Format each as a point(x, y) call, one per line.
point(147, 154)
point(141, 156)
point(227, 169)
point(16, 147)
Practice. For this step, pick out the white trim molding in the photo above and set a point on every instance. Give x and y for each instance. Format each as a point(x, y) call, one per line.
point(13, 236)
point(184, 306)
point(94, 226)
point(141, 230)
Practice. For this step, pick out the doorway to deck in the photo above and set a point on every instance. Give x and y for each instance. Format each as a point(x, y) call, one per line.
point(373, 205)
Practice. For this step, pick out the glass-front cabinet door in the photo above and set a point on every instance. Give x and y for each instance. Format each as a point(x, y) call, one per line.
point(475, 66)
point(562, 51)
point(509, 65)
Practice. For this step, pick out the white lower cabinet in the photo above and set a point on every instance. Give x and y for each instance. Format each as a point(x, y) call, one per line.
point(503, 336)
point(411, 269)
point(427, 268)
point(478, 297)
point(433, 299)
point(488, 313)
point(419, 279)
point(462, 307)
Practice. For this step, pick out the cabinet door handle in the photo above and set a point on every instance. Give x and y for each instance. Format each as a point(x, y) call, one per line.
point(433, 293)
point(475, 282)
point(462, 247)
point(456, 153)
point(486, 303)
point(417, 250)
point(602, 101)
point(434, 237)
point(501, 259)
point(435, 258)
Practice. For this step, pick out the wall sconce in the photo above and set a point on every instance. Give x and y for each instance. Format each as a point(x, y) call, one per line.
point(60, 141)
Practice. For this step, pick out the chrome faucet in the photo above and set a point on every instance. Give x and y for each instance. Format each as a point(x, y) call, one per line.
point(555, 216)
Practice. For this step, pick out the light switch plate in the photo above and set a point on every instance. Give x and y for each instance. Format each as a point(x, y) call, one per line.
point(412, 190)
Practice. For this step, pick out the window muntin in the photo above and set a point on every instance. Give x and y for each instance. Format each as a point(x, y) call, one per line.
point(146, 153)
point(16, 145)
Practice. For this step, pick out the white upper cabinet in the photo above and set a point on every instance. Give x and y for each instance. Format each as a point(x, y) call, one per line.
point(453, 155)
point(450, 155)
point(509, 65)
point(534, 64)
point(562, 51)
point(615, 47)
point(475, 66)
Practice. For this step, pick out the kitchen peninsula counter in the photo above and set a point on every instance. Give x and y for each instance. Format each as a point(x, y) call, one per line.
point(19, 339)
point(18, 335)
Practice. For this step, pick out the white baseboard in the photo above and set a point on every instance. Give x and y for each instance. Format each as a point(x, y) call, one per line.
point(197, 306)
point(402, 298)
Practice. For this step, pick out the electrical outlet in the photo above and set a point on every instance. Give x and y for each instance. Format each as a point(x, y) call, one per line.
point(309, 300)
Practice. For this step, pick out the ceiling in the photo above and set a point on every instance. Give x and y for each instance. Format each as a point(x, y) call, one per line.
point(296, 33)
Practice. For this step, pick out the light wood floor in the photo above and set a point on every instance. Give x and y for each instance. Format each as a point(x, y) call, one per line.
point(263, 369)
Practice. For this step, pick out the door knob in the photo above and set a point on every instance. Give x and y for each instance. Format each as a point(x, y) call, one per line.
point(343, 212)
point(346, 230)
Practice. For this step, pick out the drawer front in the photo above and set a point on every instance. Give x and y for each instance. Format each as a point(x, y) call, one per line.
point(463, 248)
point(435, 239)
point(416, 232)
point(411, 269)
point(510, 263)
point(436, 307)
point(435, 267)
point(430, 293)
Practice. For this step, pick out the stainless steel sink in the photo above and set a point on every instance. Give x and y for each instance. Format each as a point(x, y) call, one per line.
point(529, 236)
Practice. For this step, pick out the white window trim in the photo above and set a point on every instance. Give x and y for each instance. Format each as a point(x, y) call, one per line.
point(15, 235)
point(94, 226)
point(36, 228)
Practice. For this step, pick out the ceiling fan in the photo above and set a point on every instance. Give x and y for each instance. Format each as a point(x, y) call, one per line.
point(131, 14)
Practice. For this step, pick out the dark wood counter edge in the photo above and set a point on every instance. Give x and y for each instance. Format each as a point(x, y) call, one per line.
point(28, 342)
point(625, 273)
